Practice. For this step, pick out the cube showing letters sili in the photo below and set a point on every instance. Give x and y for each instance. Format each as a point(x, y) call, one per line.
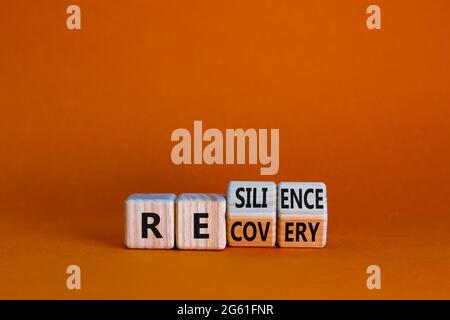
point(200, 221)
point(302, 214)
point(150, 221)
point(251, 213)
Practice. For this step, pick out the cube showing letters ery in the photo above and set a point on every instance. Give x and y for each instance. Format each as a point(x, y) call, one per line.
point(302, 214)
point(200, 221)
point(150, 221)
point(251, 213)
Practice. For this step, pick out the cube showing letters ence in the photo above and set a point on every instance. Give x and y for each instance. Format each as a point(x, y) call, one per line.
point(150, 221)
point(251, 214)
point(302, 214)
point(200, 221)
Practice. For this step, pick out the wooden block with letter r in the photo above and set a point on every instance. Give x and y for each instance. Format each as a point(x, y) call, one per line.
point(150, 221)
point(200, 221)
point(302, 214)
point(251, 213)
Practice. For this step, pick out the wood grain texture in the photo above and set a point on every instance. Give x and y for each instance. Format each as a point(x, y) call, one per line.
point(161, 204)
point(190, 204)
point(251, 213)
point(302, 214)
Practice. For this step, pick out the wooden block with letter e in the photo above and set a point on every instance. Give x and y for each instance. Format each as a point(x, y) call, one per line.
point(200, 221)
point(302, 214)
point(251, 213)
point(150, 221)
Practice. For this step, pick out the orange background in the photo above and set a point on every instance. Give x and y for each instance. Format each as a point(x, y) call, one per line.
point(86, 118)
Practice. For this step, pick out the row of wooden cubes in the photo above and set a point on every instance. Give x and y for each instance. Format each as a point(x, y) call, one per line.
point(255, 214)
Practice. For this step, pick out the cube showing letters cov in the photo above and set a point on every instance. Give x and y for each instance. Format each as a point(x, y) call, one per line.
point(200, 221)
point(150, 221)
point(302, 214)
point(251, 213)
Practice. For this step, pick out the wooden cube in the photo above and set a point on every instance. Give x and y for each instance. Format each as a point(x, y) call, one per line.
point(302, 214)
point(200, 221)
point(149, 221)
point(251, 213)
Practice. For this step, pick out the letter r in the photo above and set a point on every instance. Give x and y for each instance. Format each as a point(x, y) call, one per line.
point(152, 226)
